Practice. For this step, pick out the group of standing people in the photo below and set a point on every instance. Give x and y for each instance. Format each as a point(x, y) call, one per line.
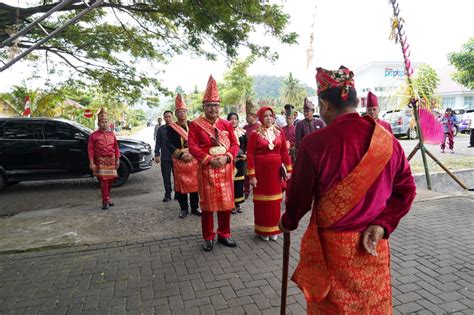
point(352, 175)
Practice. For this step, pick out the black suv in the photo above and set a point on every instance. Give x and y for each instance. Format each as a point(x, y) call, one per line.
point(44, 148)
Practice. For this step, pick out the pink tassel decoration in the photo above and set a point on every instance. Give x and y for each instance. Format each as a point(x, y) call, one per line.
point(431, 128)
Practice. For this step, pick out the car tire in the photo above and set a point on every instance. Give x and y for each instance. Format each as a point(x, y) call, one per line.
point(123, 173)
point(412, 133)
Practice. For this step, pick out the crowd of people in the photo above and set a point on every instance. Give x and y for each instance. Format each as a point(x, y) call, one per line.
point(348, 170)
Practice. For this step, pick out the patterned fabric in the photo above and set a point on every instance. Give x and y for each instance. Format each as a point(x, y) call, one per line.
point(105, 167)
point(360, 283)
point(185, 179)
point(216, 187)
point(327, 79)
point(313, 267)
point(222, 136)
point(211, 95)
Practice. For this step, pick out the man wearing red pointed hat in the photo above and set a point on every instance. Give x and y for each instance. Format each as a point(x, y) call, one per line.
point(309, 124)
point(213, 143)
point(185, 167)
point(104, 157)
point(373, 111)
point(355, 178)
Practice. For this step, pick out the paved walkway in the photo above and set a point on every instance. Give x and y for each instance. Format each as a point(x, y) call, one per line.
point(432, 271)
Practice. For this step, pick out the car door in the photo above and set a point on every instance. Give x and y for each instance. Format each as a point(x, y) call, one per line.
point(24, 155)
point(68, 154)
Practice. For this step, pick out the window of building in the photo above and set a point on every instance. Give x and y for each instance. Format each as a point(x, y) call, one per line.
point(449, 101)
point(468, 101)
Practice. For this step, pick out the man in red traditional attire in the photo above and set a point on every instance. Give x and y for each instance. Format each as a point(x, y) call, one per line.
point(309, 124)
point(290, 131)
point(356, 178)
point(213, 143)
point(373, 111)
point(104, 157)
point(252, 125)
point(185, 167)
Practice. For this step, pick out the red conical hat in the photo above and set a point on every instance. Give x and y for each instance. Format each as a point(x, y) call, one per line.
point(179, 103)
point(212, 94)
point(372, 100)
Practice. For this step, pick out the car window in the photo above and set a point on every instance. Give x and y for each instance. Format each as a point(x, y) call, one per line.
point(59, 131)
point(23, 130)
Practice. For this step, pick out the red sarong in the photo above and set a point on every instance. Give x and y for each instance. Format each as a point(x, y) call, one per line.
point(216, 187)
point(335, 274)
point(185, 176)
point(105, 167)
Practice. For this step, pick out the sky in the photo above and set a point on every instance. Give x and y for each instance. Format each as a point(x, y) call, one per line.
point(346, 32)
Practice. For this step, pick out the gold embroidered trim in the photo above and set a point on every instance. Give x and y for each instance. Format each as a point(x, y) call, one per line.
point(267, 229)
point(267, 197)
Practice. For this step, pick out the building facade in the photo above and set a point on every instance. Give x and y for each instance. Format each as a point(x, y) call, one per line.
point(386, 80)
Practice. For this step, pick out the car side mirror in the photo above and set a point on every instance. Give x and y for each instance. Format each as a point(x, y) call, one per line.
point(79, 136)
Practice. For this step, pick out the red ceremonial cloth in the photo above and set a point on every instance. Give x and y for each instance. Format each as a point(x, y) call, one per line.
point(103, 149)
point(265, 165)
point(184, 174)
point(385, 124)
point(216, 186)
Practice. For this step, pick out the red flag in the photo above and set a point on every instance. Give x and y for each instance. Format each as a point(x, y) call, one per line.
point(27, 110)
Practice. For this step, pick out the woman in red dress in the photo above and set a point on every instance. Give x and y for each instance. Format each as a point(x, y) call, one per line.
point(266, 152)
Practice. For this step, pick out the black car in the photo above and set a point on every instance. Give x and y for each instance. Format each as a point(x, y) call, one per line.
point(44, 148)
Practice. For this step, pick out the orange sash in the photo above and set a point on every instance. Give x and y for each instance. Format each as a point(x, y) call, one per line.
point(184, 173)
point(312, 274)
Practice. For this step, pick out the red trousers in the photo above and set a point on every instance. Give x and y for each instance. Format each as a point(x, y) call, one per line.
point(450, 137)
point(207, 222)
point(105, 187)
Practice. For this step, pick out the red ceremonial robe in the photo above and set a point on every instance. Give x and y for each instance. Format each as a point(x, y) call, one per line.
point(216, 186)
point(326, 157)
point(385, 124)
point(264, 164)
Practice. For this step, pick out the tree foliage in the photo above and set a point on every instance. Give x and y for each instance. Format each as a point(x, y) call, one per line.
point(292, 91)
point(118, 46)
point(237, 86)
point(426, 81)
point(463, 61)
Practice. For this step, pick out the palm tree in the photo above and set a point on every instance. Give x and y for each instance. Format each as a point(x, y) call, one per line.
point(292, 92)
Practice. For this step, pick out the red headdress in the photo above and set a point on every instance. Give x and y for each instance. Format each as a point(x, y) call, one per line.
point(327, 79)
point(179, 103)
point(372, 100)
point(212, 94)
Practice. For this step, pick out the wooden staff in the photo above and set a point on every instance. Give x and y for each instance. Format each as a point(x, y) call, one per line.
point(284, 277)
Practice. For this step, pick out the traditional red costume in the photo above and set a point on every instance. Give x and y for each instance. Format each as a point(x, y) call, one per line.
point(103, 149)
point(353, 174)
point(266, 152)
point(373, 102)
point(208, 140)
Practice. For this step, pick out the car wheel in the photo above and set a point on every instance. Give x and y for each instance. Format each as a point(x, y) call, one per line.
point(455, 131)
point(412, 133)
point(123, 173)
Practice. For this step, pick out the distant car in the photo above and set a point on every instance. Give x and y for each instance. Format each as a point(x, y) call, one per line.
point(44, 148)
point(402, 122)
point(467, 121)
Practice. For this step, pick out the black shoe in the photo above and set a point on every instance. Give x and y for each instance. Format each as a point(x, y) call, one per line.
point(227, 241)
point(470, 146)
point(233, 211)
point(105, 205)
point(166, 199)
point(196, 212)
point(208, 245)
point(239, 209)
point(111, 204)
point(183, 214)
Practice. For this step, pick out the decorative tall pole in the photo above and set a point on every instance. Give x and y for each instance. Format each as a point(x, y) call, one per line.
point(398, 34)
